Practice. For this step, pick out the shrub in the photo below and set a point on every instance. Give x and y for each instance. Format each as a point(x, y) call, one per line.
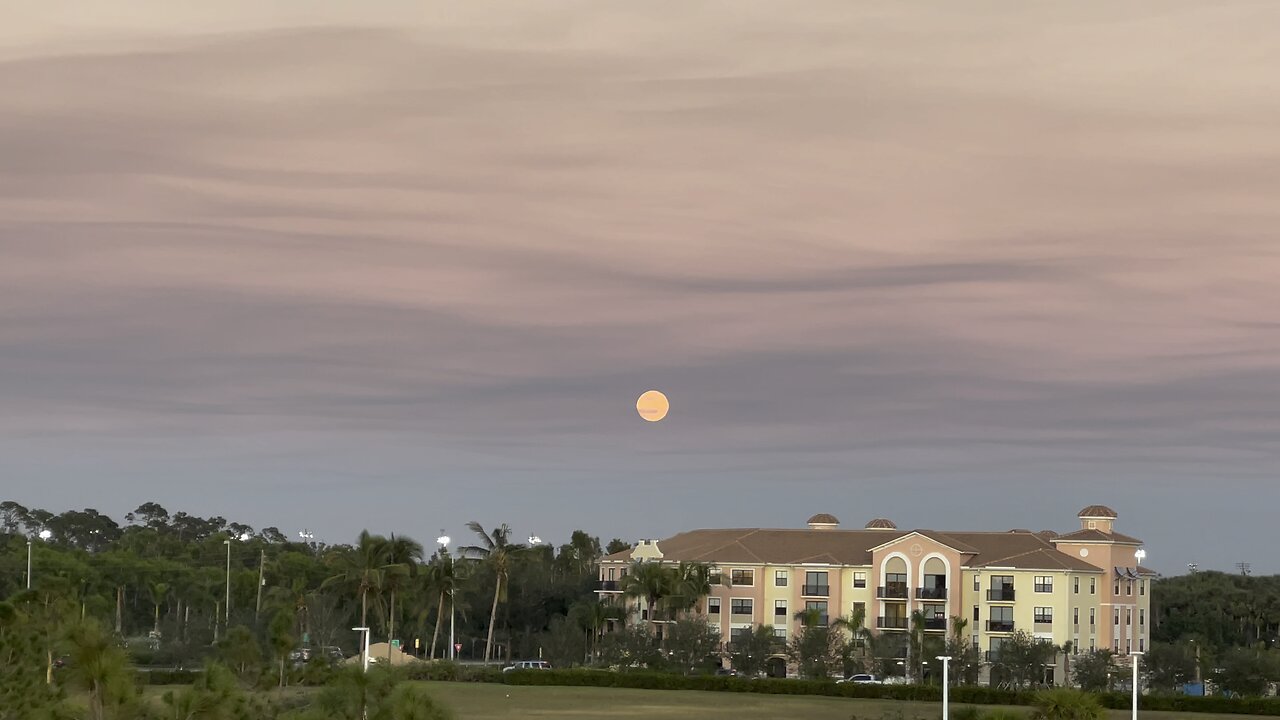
point(1067, 704)
point(966, 712)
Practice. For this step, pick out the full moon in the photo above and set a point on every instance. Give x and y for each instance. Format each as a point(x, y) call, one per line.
point(653, 406)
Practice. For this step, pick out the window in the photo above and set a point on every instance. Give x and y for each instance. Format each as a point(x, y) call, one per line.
point(1001, 588)
point(780, 632)
point(740, 606)
point(1093, 645)
point(977, 583)
point(1075, 645)
point(1142, 645)
point(1075, 585)
point(859, 579)
point(1093, 616)
point(1117, 616)
point(1128, 587)
point(1142, 587)
point(612, 571)
point(1128, 616)
point(713, 606)
point(742, 578)
point(780, 608)
point(815, 583)
point(860, 609)
point(1044, 615)
point(975, 614)
point(1093, 586)
point(717, 577)
point(1142, 617)
point(1044, 583)
point(819, 607)
point(1001, 619)
point(1075, 616)
point(1115, 645)
point(780, 578)
point(738, 633)
point(1128, 646)
point(1116, 591)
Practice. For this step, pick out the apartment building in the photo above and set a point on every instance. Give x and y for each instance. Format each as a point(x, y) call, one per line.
point(1085, 587)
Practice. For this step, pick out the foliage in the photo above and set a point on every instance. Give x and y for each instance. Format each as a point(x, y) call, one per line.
point(1245, 671)
point(23, 691)
point(693, 645)
point(215, 695)
point(1169, 666)
point(750, 651)
point(817, 650)
point(1022, 658)
point(1067, 704)
point(100, 669)
point(1093, 670)
point(240, 650)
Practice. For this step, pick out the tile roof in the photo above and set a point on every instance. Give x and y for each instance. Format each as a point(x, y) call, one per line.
point(1020, 549)
point(1098, 536)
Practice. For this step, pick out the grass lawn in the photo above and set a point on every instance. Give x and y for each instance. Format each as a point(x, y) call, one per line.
point(479, 701)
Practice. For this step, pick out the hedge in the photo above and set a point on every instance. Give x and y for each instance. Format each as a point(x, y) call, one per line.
point(962, 694)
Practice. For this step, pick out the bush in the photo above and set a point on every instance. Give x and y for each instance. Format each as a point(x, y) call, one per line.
point(1004, 713)
point(966, 712)
point(1067, 704)
point(169, 677)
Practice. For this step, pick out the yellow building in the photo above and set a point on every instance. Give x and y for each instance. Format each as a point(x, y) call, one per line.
point(1085, 587)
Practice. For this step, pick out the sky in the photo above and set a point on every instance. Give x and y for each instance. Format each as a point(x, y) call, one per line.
point(400, 265)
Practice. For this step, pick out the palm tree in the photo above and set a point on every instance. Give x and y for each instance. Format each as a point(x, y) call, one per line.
point(362, 570)
point(159, 592)
point(445, 577)
point(651, 581)
point(915, 643)
point(98, 667)
point(496, 550)
point(402, 555)
point(855, 624)
point(691, 582)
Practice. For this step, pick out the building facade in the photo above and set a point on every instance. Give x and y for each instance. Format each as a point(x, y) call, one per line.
point(1085, 587)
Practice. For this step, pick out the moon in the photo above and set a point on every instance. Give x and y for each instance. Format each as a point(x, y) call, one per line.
point(653, 406)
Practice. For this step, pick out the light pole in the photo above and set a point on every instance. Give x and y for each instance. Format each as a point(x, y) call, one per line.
point(226, 610)
point(44, 535)
point(1136, 657)
point(364, 646)
point(946, 681)
point(444, 545)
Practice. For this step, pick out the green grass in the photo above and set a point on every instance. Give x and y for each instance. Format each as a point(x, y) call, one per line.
point(478, 701)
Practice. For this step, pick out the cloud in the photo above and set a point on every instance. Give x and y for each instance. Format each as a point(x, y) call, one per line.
point(913, 260)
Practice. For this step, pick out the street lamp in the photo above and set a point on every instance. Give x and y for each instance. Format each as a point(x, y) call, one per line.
point(444, 547)
point(44, 535)
point(945, 683)
point(364, 646)
point(1136, 656)
point(535, 540)
point(226, 610)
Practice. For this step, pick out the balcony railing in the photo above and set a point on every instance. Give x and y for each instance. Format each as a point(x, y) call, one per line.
point(891, 623)
point(936, 623)
point(933, 593)
point(999, 626)
point(892, 592)
point(1004, 594)
point(816, 590)
point(609, 585)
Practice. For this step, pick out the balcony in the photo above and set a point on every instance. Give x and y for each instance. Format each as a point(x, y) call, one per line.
point(999, 626)
point(892, 592)
point(933, 593)
point(815, 590)
point(892, 623)
point(936, 623)
point(609, 586)
point(1004, 594)
point(819, 621)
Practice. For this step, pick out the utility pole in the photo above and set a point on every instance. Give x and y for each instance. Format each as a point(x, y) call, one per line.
point(262, 564)
point(1244, 567)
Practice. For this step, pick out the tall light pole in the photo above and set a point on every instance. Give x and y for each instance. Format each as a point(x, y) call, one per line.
point(444, 545)
point(1136, 657)
point(364, 646)
point(946, 682)
point(44, 535)
point(226, 605)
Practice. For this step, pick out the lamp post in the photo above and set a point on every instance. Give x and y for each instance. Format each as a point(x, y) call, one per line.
point(364, 646)
point(444, 546)
point(946, 682)
point(44, 535)
point(1136, 657)
point(226, 610)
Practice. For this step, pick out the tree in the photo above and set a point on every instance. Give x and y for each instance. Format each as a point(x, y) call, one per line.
point(215, 695)
point(689, 583)
point(749, 651)
point(616, 546)
point(445, 577)
point(853, 656)
point(1023, 658)
point(402, 555)
point(1246, 671)
point(23, 690)
point(281, 638)
point(965, 662)
point(693, 644)
point(240, 650)
point(1092, 670)
point(815, 649)
point(99, 668)
point(496, 550)
point(362, 570)
point(1169, 666)
point(650, 581)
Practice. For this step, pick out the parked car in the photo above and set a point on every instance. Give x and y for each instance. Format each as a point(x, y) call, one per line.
point(862, 679)
point(727, 671)
point(528, 665)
